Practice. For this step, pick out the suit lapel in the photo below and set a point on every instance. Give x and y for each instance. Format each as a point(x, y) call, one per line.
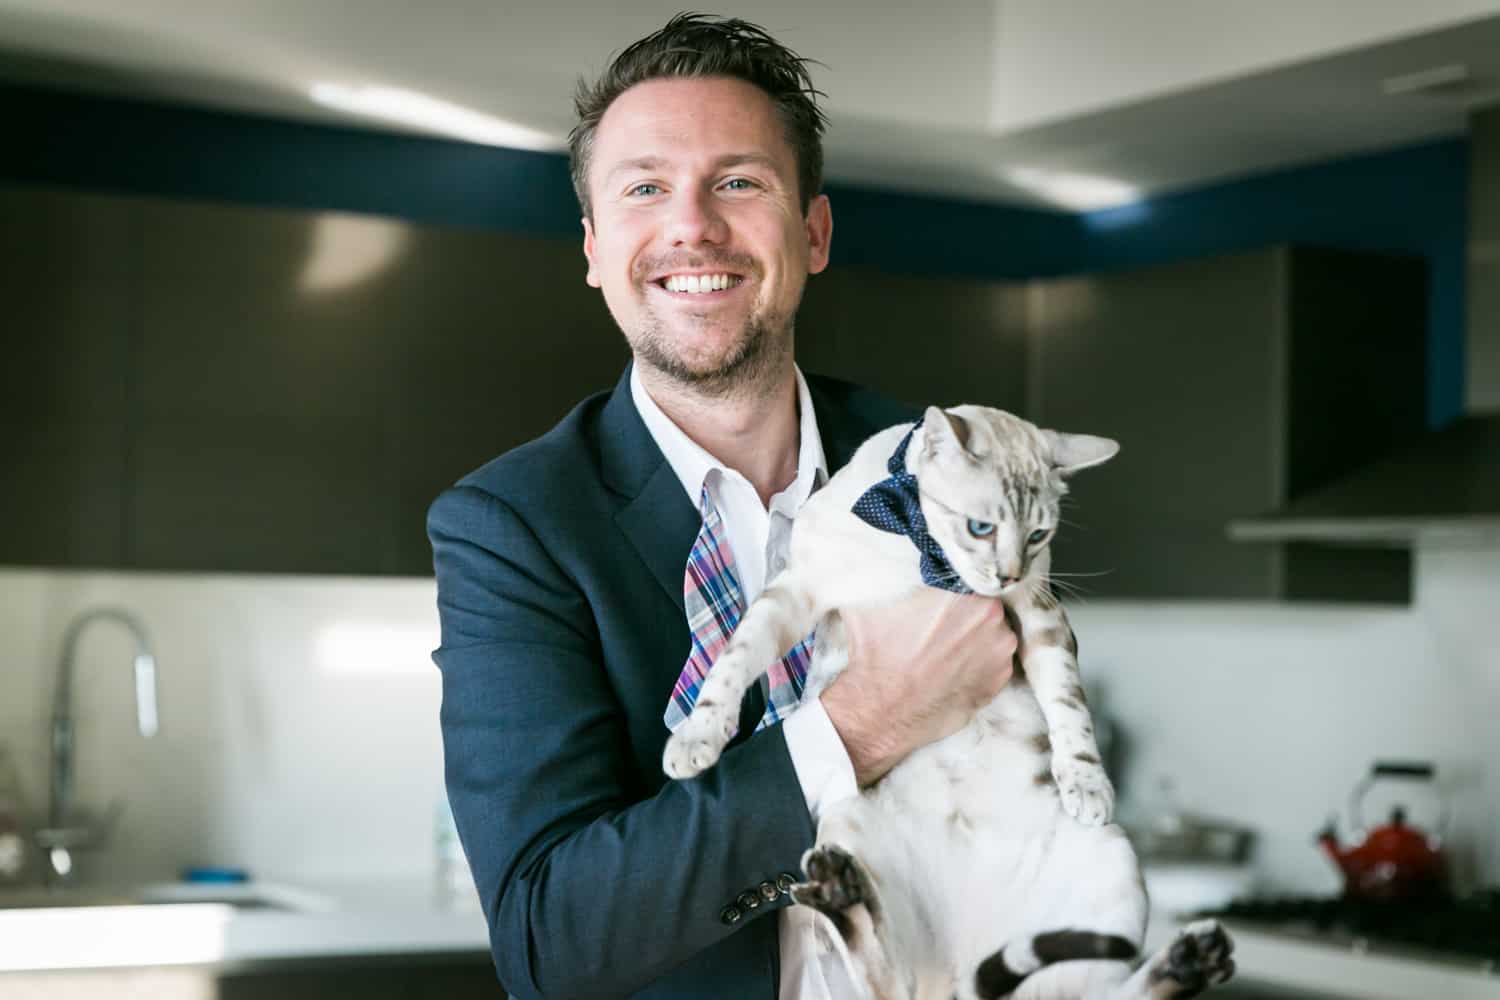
point(661, 525)
point(656, 517)
point(841, 430)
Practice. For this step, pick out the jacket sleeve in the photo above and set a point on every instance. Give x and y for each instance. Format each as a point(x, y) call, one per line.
point(591, 887)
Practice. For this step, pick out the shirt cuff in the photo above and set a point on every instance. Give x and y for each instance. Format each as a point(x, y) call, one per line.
point(818, 756)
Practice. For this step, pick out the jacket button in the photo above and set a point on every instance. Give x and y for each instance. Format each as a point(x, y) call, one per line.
point(785, 881)
point(748, 900)
point(730, 915)
point(768, 891)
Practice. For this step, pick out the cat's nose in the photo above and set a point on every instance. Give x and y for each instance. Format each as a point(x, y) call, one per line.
point(1009, 581)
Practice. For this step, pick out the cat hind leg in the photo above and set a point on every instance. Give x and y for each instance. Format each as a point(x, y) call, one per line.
point(839, 887)
point(1002, 973)
point(1199, 957)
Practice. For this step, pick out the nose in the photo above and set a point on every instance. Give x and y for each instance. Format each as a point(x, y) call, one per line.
point(1009, 581)
point(695, 219)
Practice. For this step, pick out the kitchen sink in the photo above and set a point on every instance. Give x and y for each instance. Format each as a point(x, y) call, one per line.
point(156, 924)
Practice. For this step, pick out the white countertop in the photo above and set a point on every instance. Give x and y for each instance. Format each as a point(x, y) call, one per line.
point(1343, 972)
point(375, 917)
point(318, 921)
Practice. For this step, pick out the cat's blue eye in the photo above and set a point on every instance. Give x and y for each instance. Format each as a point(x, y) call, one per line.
point(1037, 537)
point(981, 529)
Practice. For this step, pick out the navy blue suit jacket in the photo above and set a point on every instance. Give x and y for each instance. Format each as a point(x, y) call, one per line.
point(559, 570)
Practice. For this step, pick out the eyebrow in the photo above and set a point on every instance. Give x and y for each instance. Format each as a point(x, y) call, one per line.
point(723, 162)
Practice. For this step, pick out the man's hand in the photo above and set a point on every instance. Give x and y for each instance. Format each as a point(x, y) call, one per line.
point(918, 671)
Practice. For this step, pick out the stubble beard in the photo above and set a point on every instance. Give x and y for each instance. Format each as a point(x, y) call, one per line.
point(752, 368)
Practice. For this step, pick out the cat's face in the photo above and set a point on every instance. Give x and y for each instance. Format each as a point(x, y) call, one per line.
point(990, 485)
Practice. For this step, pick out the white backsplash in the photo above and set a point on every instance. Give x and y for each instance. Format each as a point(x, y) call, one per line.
point(300, 738)
point(1269, 715)
point(286, 746)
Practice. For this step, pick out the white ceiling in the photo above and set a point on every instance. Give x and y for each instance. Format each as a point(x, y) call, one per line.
point(948, 97)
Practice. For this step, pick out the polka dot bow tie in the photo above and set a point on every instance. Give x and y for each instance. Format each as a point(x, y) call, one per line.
point(894, 505)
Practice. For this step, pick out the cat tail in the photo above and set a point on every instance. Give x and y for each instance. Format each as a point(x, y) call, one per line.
point(1000, 974)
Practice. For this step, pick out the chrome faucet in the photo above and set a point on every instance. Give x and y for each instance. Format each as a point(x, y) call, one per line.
point(59, 839)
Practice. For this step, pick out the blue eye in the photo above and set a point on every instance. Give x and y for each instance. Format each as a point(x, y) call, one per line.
point(980, 529)
point(646, 188)
point(1037, 537)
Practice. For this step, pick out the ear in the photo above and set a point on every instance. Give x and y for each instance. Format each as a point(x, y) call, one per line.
point(944, 434)
point(592, 276)
point(819, 224)
point(1071, 452)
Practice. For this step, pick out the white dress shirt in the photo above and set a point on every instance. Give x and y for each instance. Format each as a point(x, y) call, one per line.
point(758, 537)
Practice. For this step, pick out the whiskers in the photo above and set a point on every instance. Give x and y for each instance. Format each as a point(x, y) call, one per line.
point(1065, 587)
point(1066, 503)
point(942, 579)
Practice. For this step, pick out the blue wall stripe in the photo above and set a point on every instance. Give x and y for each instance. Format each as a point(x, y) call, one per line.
point(141, 148)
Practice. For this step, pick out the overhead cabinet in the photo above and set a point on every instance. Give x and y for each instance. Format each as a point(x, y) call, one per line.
point(923, 340)
point(68, 293)
point(225, 388)
point(214, 387)
point(1233, 384)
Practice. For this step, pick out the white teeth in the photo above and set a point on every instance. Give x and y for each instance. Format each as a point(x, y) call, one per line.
point(696, 283)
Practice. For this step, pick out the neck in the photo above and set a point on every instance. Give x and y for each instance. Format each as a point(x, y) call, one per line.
point(754, 431)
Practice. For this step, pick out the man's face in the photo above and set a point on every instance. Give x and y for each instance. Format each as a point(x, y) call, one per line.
point(695, 186)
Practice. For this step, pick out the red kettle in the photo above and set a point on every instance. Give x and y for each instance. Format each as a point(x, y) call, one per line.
point(1395, 861)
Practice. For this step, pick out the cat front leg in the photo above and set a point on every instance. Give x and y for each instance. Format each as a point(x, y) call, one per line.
point(775, 622)
point(1049, 658)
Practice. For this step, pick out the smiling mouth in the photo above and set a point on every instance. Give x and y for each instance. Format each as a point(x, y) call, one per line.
point(699, 284)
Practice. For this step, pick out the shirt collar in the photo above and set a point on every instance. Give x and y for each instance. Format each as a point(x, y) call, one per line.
point(692, 463)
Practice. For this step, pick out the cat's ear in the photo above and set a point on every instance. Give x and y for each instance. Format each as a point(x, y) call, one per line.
point(1071, 452)
point(943, 433)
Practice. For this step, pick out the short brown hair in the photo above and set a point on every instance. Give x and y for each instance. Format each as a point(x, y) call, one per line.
point(696, 45)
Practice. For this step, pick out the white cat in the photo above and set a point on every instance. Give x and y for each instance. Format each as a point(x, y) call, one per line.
point(983, 865)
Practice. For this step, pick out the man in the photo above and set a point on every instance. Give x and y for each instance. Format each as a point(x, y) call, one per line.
point(561, 565)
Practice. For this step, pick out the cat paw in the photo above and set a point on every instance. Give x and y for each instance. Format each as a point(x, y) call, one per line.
point(1197, 959)
point(697, 744)
point(1085, 790)
point(835, 881)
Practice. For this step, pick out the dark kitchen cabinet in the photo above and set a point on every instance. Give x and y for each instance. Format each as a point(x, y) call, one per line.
point(922, 340)
point(194, 386)
point(313, 380)
point(69, 293)
point(1233, 384)
point(1482, 291)
point(498, 339)
point(416, 977)
point(262, 412)
point(439, 976)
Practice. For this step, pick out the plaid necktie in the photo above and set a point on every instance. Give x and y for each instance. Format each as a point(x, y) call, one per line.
point(711, 590)
point(894, 505)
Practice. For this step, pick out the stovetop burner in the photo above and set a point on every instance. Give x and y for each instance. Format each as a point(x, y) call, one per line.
point(1451, 928)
